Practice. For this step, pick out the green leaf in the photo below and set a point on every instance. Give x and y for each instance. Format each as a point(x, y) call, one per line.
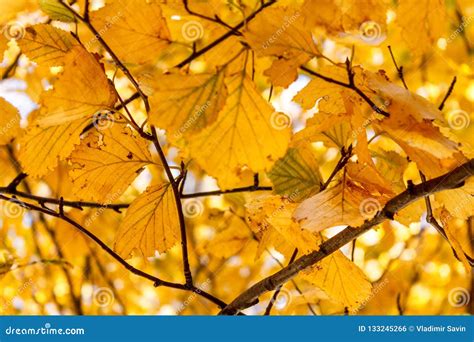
point(56, 11)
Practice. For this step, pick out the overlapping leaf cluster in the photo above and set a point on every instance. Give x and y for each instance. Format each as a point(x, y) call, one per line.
point(296, 111)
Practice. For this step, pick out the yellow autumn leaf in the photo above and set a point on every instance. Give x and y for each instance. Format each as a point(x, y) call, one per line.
point(458, 202)
point(284, 71)
point(185, 104)
point(455, 236)
point(334, 130)
point(79, 93)
point(279, 31)
point(150, 224)
point(134, 29)
point(10, 9)
point(398, 101)
point(9, 122)
point(422, 23)
point(363, 21)
point(231, 240)
point(271, 219)
point(3, 45)
point(233, 140)
point(352, 201)
point(423, 143)
point(329, 96)
point(42, 148)
point(106, 163)
point(46, 45)
point(341, 279)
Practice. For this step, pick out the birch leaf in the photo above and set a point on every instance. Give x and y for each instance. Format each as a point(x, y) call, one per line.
point(9, 122)
point(46, 45)
point(185, 104)
point(134, 29)
point(233, 140)
point(106, 163)
point(150, 224)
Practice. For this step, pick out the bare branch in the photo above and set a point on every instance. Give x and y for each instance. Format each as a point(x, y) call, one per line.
point(351, 85)
point(177, 196)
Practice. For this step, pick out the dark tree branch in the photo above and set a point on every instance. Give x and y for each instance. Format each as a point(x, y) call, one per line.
point(351, 85)
point(11, 67)
point(345, 156)
point(156, 281)
point(450, 180)
point(222, 38)
point(118, 206)
point(177, 196)
point(197, 53)
point(214, 19)
point(250, 188)
point(76, 301)
point(73, 204)
point(399, 69)
point(435, 224)
point(448, 93)
point(465, 39)
point(297, 288)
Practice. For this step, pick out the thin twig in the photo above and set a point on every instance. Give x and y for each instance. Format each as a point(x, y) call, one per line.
point(156, 281)
point(351, 86)
point(399, 69)
point(448, 93)
point(177, 196)
point(278, 290)
point(11, 67)
point(222, 38)
point(214, 19)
